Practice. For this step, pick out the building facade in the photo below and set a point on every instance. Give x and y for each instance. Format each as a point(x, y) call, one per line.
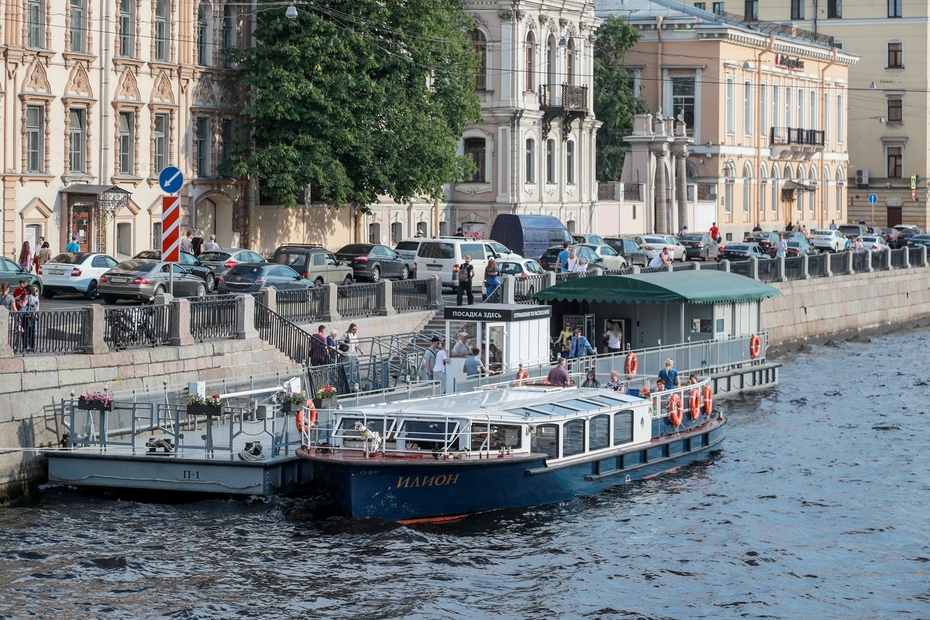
point(889, 114)
point(765, 112)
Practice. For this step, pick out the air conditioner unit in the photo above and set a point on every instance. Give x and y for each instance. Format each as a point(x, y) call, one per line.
point(862, 176)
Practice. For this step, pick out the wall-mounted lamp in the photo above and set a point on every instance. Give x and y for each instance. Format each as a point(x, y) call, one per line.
point(872, 86)
point(291, 12)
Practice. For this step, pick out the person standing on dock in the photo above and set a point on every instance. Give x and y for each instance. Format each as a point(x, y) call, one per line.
point(669, 375)
point(319, 352)
point(441, 358)
point(474, 366)
point(350, 351)
point(429, 360)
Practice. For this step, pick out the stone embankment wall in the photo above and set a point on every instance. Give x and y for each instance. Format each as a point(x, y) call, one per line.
point(32, 388)
point(842, 305)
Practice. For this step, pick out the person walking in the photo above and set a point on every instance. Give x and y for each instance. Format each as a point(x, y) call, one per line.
point(197, 244)
point(492, 282)
point(715, 232)
point(332, 345)
point(44, 255)
point(25, 257)
point(74, 246)
point(466, 276)
point(613, 337)
point(580, 346)
point(429, 360)
point(669, 375)
point(781, 247)
point(211, 245)
point(351, 352)
point(571, 263)
point(187, 242)
point(319, 352)
point(6, 298)
point(563, 259)
point(558, 375)
point(833, 225)
point(441, 359)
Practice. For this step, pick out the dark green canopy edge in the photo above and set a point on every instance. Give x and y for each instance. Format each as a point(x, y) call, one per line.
point(696, 287)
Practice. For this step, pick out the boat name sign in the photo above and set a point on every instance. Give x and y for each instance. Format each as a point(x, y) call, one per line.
point(426, 481)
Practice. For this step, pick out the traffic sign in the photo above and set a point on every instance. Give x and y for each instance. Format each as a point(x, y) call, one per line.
point(873, 199)
point(171, 179)
point(171, 228)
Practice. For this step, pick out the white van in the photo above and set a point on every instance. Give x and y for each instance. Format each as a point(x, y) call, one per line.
point(442, 257)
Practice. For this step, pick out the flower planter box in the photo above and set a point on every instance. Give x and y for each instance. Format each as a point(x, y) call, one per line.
point(324, 403)
point(204, 410)
point(291, 407)
point(94, 405)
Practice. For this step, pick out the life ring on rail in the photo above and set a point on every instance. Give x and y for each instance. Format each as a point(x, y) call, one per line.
point(304, 425)
point(755, 346)
point(631, 364)
point(522, 375)
point(695, 404)
point(674, 409)
point(708, 400)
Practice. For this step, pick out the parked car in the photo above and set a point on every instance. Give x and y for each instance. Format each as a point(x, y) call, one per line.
point(442, 257)
point(189, 262)
point(853, 231)
point(799, 247)
point(408, 247)
point(503, 252)
point(795, 234)
point(606, 254)
point(653, 244)
point(314, 262)
point(875, 243)
point(589, 239)
point(529, 235)
point(629, 249)
point(253, 277)
point(550, 258)
point(520, 269)
point(142, 280)
point(371, 261)
point(742, 252)
point(221, 261)
point(893, 238)
point(73, 272)
point(699, 246)
point(766, 241)
point(915, 241)
point(907, 234)
point(12, 274)
point(900, 227)
point(828, 240)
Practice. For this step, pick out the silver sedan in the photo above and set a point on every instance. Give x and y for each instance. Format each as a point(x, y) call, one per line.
point(142, 280)
point(653, 244)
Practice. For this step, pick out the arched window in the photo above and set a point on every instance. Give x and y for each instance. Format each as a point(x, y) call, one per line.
point(747, 190)
point(551, 68)
point(728, 190)
point(475, 151)
point(800, 198)
point(840, 180)
point(550, 161)
point(530, 60)
point(162, 31)
point(570, 162)
point(570, 62)
point(775, 190)
point(812, 198)
point(530, 160)
point(374, 233)
point(763, 176)
point(204, 13)
point(479, 43)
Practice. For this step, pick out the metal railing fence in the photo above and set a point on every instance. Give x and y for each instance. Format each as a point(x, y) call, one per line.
point(305, 305)
point(817, 265)
point(360, 300)
point(525, 288)
point(137, 326)
point(838, 264)
point(50, 331)
point(214, 316)
point(410, 295)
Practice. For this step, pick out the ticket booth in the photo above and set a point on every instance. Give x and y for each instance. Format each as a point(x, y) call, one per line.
point(507, 335)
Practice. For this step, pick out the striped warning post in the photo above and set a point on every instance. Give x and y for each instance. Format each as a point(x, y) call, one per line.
point(171, 229)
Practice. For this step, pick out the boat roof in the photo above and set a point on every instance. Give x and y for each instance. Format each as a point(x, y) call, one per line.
point(537, 403)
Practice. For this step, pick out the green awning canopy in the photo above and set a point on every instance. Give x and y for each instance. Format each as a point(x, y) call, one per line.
point(696, 287)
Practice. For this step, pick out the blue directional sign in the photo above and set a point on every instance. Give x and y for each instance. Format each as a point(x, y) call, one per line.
point(171, 179)
point(873, 199)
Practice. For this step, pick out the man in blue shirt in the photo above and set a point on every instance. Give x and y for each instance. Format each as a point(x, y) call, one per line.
point(474, 366)
point(579, 346)
point(74, 246)
point(563, 258)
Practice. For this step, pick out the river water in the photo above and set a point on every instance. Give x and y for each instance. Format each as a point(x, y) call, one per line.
point(815, 507)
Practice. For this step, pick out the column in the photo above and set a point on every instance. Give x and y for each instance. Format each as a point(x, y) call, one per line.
point(661, 199)
point(681, 189)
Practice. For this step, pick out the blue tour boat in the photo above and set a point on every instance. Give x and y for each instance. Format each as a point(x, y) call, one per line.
point(449, 456)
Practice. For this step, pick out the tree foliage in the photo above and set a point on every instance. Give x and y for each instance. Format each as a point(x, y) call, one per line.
point(614, 99)
point(358, 100)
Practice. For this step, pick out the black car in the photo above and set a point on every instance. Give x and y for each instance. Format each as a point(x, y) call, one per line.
point(917, 240)
point(765, 240)
point(371, 261)
point(550, 258)
point(253, 277)
point(893, 237)
point(742, 252)
point(906, 234)
point(189, 263)
point(699, 246)
point(799, 247)
point(632, 252)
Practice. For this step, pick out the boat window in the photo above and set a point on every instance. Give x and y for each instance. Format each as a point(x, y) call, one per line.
point(546, 439)
point(428, 431)
point(501, 436)
point(598, 428)
point(583, 405)
point(605, 400)
point(623, 427)
point(558, 408)
point(573, 442)
point(375, 425)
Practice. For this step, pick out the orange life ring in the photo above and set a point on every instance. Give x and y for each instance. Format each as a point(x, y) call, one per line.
point(674, 409)
point(755, 346)
point(708, 400)
point(695, 404)
point(631, 364)
point(304, 426)
point(522, 374)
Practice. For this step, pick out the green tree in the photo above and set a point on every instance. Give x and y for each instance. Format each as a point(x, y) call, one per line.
point(614, 100)
point(358, 99)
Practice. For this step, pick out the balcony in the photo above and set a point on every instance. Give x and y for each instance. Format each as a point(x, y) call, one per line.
point(567, 102)
point(793, 142)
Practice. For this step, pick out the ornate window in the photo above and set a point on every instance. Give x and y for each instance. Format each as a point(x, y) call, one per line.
point(35, 23)
point(161, 132)
point(229, 138)
point(747, 191)
point(127, 143)
point(530, 60)
point(77, 139)
point(77, 27)
point(35, 138)
point(127, 28)
point(550, 161)
point(480, 45)
point(475, 150)
point(202, 147)
point(162, 31)
point(203, 34)
point(570, 62)
point(230, 41)
point(570, 162)
point(530, 160)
